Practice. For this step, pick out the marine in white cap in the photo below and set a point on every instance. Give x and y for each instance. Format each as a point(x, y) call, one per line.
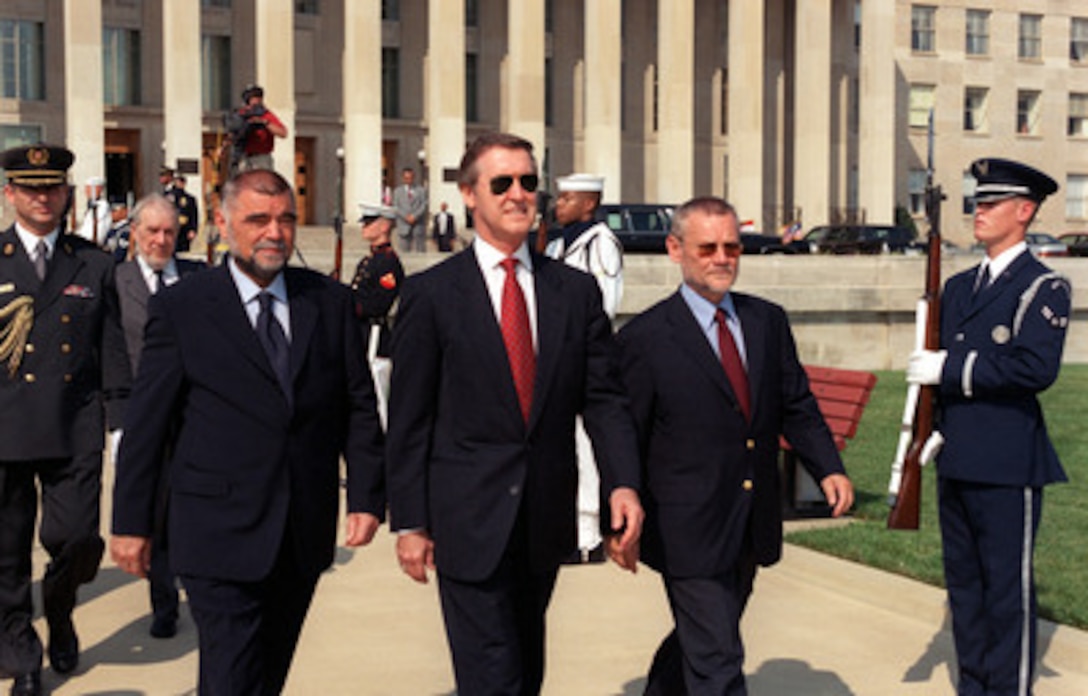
point(588, 245)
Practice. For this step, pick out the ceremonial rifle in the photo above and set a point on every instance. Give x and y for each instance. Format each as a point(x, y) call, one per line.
point(905, 489)
point(338, 220)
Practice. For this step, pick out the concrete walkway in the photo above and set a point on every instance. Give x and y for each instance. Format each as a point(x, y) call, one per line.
point(816, 625)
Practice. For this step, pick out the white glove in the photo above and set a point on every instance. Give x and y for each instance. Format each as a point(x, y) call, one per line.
point(932, 448)
point(925, 366)
point(114, 443)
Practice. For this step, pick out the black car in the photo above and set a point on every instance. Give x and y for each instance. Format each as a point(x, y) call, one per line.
point(640, 227)
point(1076, 242)
point(855, 239)
point(755, 243)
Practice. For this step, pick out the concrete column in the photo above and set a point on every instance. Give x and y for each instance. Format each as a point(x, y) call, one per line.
point(85, 133)
point(602, 94)
point(362, 107)
point(746, 88)
point(675, 99)
point(445, 99)
point(275, 37)
point(812, 124)
point(876, 139)
point(524, 88)
point(181, 87)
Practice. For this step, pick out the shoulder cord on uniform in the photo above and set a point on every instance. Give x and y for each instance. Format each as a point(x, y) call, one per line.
point(1028, 296)
point(14, 334)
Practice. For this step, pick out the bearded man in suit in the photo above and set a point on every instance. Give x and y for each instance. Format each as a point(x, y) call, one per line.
point(253, 377)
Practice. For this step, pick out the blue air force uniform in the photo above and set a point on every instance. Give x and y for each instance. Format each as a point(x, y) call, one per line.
point(1004, 340)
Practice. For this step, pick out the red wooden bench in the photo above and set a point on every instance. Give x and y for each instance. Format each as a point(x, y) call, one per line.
point(842, 396)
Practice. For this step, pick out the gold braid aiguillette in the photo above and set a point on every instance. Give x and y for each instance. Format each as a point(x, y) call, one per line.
point(13, 335)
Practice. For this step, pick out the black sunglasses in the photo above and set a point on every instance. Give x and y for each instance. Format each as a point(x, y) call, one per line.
point(502, 184)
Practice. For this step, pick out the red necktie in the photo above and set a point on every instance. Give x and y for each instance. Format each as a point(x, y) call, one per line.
point(518, 337)
point(734, 368)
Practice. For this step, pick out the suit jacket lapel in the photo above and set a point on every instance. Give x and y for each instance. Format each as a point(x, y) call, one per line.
point(690, 337)
point(225, 311)
point(998, 287)
point(551, 315)
point(483, 331)
point(131, 284)
point(304, 312)
point(62, 269)
point(755, 346)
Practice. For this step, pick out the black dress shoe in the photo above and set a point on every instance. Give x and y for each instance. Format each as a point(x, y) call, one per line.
point(27, 684)
point(162, 627)
point(63, 647)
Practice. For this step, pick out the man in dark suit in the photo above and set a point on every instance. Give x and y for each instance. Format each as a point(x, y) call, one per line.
point(62, 356)
point(1003, 326)
point(253, 378)
point(188, 214)
point(154, 230)
point(481, 463)
point(444, 228)
point(714, 380)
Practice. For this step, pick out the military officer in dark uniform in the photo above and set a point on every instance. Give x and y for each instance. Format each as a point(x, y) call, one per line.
point(62, 359)
point(188, 214)
point(1003, 326)
point(378, 276)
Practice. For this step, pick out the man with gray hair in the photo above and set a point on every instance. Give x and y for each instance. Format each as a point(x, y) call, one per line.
point(153, 267)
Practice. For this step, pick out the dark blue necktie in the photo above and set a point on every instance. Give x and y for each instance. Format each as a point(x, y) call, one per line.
point(274, 341)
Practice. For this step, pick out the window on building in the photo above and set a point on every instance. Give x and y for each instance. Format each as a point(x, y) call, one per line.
point(1031, 36)
point(472, 13)
point(390, 83)
point(16, 135)
point(549, 15)
point(391, 10)
point(120, 66)
point(22, 60)
point(472, 88)
point(215, 72)
point(923, 34)
point(1027, 112)
point(978, 32)
point(921, 103)
point(1076, 197)
point(1078, 40)
point(215, 3)
point(916, 191)
point(974, 109)
point(307, 7)
point(549, 93)
point(969, 184)
point(1078, 114)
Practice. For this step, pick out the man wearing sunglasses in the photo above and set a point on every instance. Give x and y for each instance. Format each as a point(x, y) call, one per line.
point(481, 457)
point(714, 380)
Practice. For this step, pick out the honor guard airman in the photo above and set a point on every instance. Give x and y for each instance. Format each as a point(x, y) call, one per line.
point(63, 368)
point(1003, 327)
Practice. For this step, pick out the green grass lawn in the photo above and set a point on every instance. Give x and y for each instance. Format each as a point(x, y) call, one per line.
point(1061, 554)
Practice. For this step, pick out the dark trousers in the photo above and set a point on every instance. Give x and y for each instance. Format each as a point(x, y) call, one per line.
point(162, 586)
point(704, 655)
point(495, 628)
point(70, 493)
point(988, 535)
point(247, 631)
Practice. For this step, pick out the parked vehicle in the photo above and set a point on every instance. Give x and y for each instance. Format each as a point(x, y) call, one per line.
point(755, 243)
point(1045, 245)
point(855, 239)
point(640, 227)
point(1076, 243)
